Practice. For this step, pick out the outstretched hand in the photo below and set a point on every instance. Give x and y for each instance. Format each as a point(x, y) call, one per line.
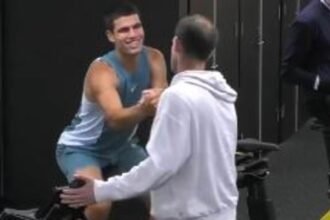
point(151, 96)
point(79, 197)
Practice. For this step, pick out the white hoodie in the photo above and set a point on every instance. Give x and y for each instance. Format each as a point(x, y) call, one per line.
point(191, 169)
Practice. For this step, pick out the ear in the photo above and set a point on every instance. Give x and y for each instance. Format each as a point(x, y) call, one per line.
point(177, 45)
point(110, 36)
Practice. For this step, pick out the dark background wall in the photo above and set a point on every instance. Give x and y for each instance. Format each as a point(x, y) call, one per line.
point(1, 104)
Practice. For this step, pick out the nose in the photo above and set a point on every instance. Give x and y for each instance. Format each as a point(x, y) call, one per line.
point(132, 32)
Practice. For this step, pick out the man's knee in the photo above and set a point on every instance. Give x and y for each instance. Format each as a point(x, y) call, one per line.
point(90, 171)
point(98, 211)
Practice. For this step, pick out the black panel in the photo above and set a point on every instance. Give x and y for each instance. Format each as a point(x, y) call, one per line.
point(49, 45)
point(287, 125)
point(228, 47)
point(184, 7)
point(204, 7)
point(271, 54)
point(287, 92)
point(1, 109)
point(303, 114)
point(248, 82)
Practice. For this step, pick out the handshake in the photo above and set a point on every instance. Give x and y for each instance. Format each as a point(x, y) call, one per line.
point(149, 100)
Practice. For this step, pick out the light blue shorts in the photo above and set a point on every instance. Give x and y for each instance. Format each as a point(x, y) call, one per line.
point(70, 159)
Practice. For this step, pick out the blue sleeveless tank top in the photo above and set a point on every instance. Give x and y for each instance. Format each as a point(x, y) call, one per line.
point(89, 130)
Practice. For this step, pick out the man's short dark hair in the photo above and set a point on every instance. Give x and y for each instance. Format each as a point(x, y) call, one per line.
point(122, 9)
point(198, 36)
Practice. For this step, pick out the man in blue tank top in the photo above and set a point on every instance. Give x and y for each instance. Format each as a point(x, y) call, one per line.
point(121, 88)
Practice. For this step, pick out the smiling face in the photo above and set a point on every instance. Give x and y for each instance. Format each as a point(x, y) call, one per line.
point(127, 34)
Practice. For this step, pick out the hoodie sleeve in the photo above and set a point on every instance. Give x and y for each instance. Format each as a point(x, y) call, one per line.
point(168, 149)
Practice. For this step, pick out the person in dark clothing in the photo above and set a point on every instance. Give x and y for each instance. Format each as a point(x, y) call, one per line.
point(306, 61)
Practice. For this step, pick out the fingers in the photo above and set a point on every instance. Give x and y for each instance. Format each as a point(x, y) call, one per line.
point(75, 203)
point(78, 197)
point(70, 195)
point(154, 102)
point(151, 93)
point(146, 96)
point(149, 97)
point(147, 92)
point(71, 192)
point(74, 200)
point(149, 100)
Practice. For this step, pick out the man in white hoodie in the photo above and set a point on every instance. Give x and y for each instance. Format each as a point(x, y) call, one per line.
point(190, 170)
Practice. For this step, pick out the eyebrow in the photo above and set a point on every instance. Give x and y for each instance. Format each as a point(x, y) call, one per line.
point(126, 28)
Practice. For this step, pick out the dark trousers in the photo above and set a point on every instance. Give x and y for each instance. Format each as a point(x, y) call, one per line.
point(319, 107)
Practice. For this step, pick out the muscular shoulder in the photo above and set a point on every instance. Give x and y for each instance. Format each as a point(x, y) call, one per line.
point(157, 68)
point(99, 77)
point(100, 70)
point(154, 55)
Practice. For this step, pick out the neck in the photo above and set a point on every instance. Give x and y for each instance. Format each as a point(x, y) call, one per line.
point(189, 64)
point(129, 61)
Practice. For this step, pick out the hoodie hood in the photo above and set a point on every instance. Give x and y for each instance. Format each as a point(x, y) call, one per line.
point(212, 81)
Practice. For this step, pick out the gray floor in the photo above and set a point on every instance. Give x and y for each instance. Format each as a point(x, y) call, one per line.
point(298, 180)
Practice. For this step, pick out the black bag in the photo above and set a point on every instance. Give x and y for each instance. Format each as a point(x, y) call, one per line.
point(53, 210)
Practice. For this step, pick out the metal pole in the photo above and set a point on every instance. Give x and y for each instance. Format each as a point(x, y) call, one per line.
point(2, 151)
point(298, 6)
point(183, 8)
point(215, 20)
point(260, 66)
point(296, 89)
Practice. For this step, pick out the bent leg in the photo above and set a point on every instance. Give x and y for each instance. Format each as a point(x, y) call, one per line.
point(72, 163)
point(98, 211)
point(129, 157)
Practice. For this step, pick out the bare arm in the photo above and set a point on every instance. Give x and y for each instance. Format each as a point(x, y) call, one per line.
point(158, 76)
point(101, 87)
point(158, 69)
